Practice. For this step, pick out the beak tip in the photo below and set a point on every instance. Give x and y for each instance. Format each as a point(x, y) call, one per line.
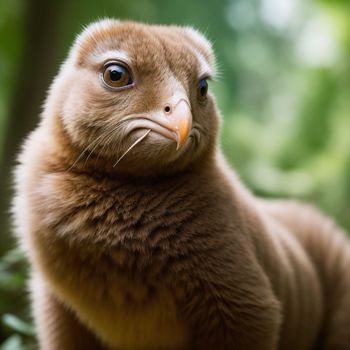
point(181, 122)
point(180, 140)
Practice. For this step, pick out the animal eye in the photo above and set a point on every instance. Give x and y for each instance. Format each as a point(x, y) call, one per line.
point(116, 76)
point(202, 89)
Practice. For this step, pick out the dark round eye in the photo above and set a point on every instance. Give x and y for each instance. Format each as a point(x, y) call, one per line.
point(202, 89)
point(116, 76)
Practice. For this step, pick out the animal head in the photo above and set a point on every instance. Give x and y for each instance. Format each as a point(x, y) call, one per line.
point(136, 96)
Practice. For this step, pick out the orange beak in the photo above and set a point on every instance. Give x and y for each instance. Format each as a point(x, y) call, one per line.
point(174, 123)
point(181, 121)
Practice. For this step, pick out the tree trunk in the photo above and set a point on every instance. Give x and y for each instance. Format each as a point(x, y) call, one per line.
point(33, 73)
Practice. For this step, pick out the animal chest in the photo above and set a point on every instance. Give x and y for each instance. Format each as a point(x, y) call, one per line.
point(110, 257)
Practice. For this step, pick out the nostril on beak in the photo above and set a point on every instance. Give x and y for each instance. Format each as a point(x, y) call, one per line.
point(167, 109)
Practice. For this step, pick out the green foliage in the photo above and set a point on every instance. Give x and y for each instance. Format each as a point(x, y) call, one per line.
point(14, 342)
point(18, 325)
point(283, 87)
point(14, 331)
point(21, 330)
point(10, 41)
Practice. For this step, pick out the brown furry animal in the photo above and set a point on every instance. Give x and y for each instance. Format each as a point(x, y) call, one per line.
point(139, 234)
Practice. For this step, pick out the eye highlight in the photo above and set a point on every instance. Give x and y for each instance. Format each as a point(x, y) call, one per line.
point(202, 90)
point(116, 76)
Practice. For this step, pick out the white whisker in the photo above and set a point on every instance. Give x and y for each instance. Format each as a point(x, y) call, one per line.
point(109, 138)
point(83, 152)
point(108, 135)
point(132, 146)
point(95, 142)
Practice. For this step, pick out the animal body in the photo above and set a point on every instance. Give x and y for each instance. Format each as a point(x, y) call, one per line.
point(139, 234)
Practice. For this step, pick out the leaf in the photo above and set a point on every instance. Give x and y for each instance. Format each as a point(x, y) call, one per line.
point(13, 256)
point(17, 324)
point(13, 343)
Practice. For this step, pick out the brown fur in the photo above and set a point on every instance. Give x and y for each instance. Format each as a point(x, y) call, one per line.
point(167, 250)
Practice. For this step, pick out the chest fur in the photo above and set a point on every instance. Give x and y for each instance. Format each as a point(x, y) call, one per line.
point(110, 252)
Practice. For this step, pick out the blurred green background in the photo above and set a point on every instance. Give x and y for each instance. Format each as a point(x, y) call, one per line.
point(283, 88)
